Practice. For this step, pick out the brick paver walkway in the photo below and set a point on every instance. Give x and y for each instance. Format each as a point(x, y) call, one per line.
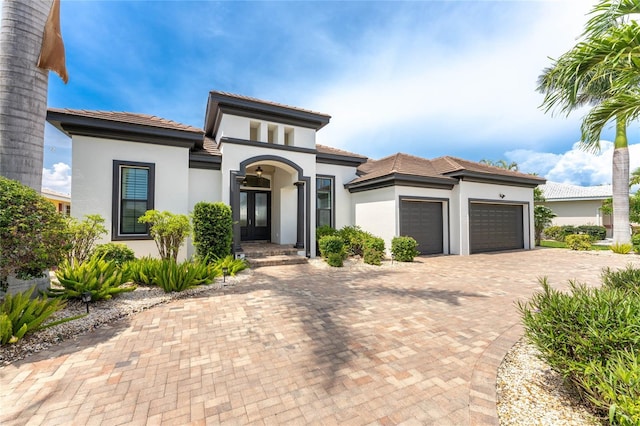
point(412, 344)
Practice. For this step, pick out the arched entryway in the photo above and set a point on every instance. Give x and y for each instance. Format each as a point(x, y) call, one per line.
point(264, 192)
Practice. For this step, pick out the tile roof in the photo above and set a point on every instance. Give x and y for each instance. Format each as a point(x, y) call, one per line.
point(564, 191)
point(129, 117)
point(399, 163)
point(210, 146)
point(323, 149)
point(261, 101)
point(440, 167)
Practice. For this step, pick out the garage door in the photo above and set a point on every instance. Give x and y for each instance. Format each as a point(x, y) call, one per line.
point(495, 227)
point(423, 221)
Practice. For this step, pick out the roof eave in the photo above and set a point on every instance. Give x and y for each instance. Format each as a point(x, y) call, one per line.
point(400, 179)
point(471, 176)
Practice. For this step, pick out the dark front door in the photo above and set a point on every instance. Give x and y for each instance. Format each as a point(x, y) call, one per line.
point(255, 215)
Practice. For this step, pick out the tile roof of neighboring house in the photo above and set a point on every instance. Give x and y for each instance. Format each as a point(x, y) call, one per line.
point(554, 191)
point(323, 149)
point(260, 101)
point(129, 117)
point(441, 167)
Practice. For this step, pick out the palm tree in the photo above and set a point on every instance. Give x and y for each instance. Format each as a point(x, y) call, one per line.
point(502, 163)
point(601, 70)
point(23, 91)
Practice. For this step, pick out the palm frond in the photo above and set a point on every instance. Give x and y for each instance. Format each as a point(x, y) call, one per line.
point(608, 14)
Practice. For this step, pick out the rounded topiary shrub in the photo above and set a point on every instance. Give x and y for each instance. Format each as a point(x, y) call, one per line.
point(404, 249)
point(116, 252)
point(335, 259)
point(212, 230)
point(33, 236)
point(578, 242)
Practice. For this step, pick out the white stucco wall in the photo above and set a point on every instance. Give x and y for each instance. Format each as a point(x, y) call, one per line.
point(344, 211)
point(576, 212)
point(92, 180)
point(204, 185)
point(487, 192)
point(375, 211)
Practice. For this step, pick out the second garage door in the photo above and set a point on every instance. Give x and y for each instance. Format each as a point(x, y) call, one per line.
point(423, 221)
point(495, 227)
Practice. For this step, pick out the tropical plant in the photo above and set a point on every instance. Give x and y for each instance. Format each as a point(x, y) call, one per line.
point(621, 248)
point(83, 236)
point(354, 239)
point(602, 70)
point(542, 216)
point(332, 244)
point(20, 314)
point(503, 164)
point(626, 279)
point(32, 234)
point(168, 230)
point(116, 252)
point(404, 249)
point(233, 265)
point(212, 230)
point(142, 271)
point(324, 230)
point(175, 277)
point(101, 278)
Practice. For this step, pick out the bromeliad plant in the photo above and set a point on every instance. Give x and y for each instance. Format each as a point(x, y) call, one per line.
point(101, 278)
point(19, 314)
point(172, 276)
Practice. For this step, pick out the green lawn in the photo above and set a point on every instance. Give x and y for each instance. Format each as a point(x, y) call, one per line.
point(559, 244)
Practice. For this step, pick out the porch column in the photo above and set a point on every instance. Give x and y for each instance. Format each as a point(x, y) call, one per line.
point(235, 211)
point(300, 230)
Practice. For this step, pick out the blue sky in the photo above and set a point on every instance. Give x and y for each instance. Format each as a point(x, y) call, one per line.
point(427, 78)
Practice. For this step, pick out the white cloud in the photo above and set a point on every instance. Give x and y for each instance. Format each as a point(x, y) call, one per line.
point(57, 178)
point(575, 166)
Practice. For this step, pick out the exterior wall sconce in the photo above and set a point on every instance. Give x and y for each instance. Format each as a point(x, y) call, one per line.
point(86, 298)
point(259, 172)
point(501, 195)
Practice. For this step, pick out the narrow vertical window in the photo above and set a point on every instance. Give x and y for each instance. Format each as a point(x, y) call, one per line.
point(272, 134)
point(254, 131)
point(324, 201)
point(133, 196)
point(288, 136)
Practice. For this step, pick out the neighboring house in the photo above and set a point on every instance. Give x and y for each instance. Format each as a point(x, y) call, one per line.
point(262, 159)
point(578, 205)
point(62, 202)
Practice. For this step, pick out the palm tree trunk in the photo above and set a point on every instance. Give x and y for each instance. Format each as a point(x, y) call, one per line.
point(23, 90)
point(620, 180)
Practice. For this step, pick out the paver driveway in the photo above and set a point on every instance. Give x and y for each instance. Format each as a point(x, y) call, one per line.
point(416, 343)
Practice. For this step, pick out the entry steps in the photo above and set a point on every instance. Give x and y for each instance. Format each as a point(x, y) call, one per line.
point(268, 254)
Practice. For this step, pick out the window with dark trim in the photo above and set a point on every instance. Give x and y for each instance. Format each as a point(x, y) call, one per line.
point(133, 195)
point(325, 201)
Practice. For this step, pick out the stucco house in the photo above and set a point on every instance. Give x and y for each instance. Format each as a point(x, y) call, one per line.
point(62, 202)
point(262, 159)
point(578, 205)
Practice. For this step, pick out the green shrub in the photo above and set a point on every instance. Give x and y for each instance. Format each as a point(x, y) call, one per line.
point(168, 230)
point(101, 278)
point(621, 248)
point(578, 334)
point(212, 230)
point(354, 239)
point(172, 276)
point(554, 233)
point(141, 271)
point(594, 231)
point(578, 242)
point(116, 252)
point(233, 265)
point(404, 249)
point(624, 279)
point(373, 251)
point(335, 260)
point(635, 239)
point(325, 230)
point(33, 236)
point(83, 236)
point(22, 315)
point(332, 244)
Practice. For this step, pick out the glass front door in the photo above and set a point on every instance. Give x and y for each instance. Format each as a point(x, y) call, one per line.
point(255, 215)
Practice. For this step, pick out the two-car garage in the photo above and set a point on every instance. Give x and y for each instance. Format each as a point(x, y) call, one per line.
point(493, 226)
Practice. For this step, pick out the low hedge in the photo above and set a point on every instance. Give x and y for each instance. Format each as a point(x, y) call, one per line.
point(404, 249)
